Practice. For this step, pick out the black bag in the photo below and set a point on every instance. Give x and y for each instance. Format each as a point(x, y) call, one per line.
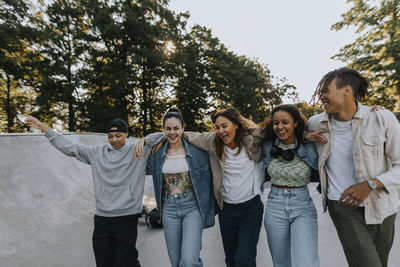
point(153, 217)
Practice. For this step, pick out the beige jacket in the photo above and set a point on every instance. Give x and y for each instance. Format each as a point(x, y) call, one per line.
point(376, 153)
point(205, 141)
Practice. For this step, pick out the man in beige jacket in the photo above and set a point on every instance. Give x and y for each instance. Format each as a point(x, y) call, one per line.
point(359, 165)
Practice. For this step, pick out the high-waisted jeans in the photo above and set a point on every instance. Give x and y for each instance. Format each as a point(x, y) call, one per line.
point(292, 228)
point(183, 229)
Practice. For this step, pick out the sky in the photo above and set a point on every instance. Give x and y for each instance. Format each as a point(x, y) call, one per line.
point(292, 37)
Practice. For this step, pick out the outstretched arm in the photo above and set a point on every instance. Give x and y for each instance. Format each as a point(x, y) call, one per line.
point(35, 123)
point(65, 145)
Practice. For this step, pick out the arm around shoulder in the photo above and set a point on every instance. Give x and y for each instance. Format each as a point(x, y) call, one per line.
point(153, 139)
point(201, 140)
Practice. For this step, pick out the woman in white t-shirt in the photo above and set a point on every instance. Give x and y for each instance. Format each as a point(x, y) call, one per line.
point(235, 155)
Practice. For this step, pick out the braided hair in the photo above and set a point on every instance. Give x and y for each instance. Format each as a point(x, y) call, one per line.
point(344, 76)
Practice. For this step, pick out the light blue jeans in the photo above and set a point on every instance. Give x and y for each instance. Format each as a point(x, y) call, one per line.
point(292, 228)
point(183, 229)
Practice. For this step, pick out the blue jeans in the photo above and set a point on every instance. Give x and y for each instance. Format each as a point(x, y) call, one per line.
point(183, 229)
point(292, 227)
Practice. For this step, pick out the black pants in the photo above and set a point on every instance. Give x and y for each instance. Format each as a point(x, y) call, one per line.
point(240, 229)
point(114, 241)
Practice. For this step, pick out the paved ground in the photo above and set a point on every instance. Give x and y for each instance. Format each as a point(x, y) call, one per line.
point(47, 205)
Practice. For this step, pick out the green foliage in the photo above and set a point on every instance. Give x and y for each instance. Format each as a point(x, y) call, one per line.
point(192, 84)
point(376, 51)
point(308, 110)
point(60, 47)
point(81, 63)
point(212, 77)
point(15, 34)
point(128, 66)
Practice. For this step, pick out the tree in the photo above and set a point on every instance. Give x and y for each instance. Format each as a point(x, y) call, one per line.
point(128, 63)
point(376, 51)
point(212, 77)
point(16, 34)
point(192, 86)
point(243, 83)
point(308, 110)
point(61, 60)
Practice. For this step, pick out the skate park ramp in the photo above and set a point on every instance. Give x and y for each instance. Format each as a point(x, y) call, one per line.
point(47, 203)
point(47, 209)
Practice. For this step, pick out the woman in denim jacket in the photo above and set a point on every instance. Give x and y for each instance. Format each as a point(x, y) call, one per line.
point(183, 190)
point(290, 164)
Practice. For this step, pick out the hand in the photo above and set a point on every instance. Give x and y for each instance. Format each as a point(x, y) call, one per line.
point(316, 137)
point(139, 148)
point(355, 194)
point(35, 123)
point(376, 108)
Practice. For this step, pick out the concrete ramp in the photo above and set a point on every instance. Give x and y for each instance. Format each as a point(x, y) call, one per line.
point(46, 203)
point(47, 208)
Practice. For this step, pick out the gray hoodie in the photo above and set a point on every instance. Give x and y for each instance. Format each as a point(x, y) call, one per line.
point(118, 178)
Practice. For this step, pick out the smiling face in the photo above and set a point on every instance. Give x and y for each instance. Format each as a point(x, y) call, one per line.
point(117, 139)
point(333, 98)
point(173, 130)
point(284, 126)
point(226, 130)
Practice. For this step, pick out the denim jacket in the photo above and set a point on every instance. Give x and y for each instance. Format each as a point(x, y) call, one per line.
point(200, 175)
point(306, 151)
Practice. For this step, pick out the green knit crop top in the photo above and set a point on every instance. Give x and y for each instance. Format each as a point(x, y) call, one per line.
point(289, 173)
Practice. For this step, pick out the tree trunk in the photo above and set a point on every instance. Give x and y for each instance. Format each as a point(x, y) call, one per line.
point(71, 114)
point(397, 108)
point(145, 109)
point(10, 119)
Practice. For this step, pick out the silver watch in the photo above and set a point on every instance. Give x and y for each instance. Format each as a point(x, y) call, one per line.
point(372, 184)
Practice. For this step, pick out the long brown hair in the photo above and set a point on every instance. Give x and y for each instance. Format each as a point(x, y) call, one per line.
point(244, 125)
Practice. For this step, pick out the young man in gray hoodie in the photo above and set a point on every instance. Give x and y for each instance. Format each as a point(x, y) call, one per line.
point(118, 180)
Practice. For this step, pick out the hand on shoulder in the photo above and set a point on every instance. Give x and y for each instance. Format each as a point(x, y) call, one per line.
point(316, 136)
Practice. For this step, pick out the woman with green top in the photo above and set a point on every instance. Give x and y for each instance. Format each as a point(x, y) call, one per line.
point(290, 164)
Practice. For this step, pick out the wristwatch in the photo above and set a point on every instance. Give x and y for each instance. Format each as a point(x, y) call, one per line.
point(372, 184)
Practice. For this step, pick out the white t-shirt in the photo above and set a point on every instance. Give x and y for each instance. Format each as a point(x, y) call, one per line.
point(340, 163)
point(242, 177)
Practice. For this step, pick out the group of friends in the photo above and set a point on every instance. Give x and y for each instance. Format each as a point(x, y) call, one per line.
point(351, 150)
